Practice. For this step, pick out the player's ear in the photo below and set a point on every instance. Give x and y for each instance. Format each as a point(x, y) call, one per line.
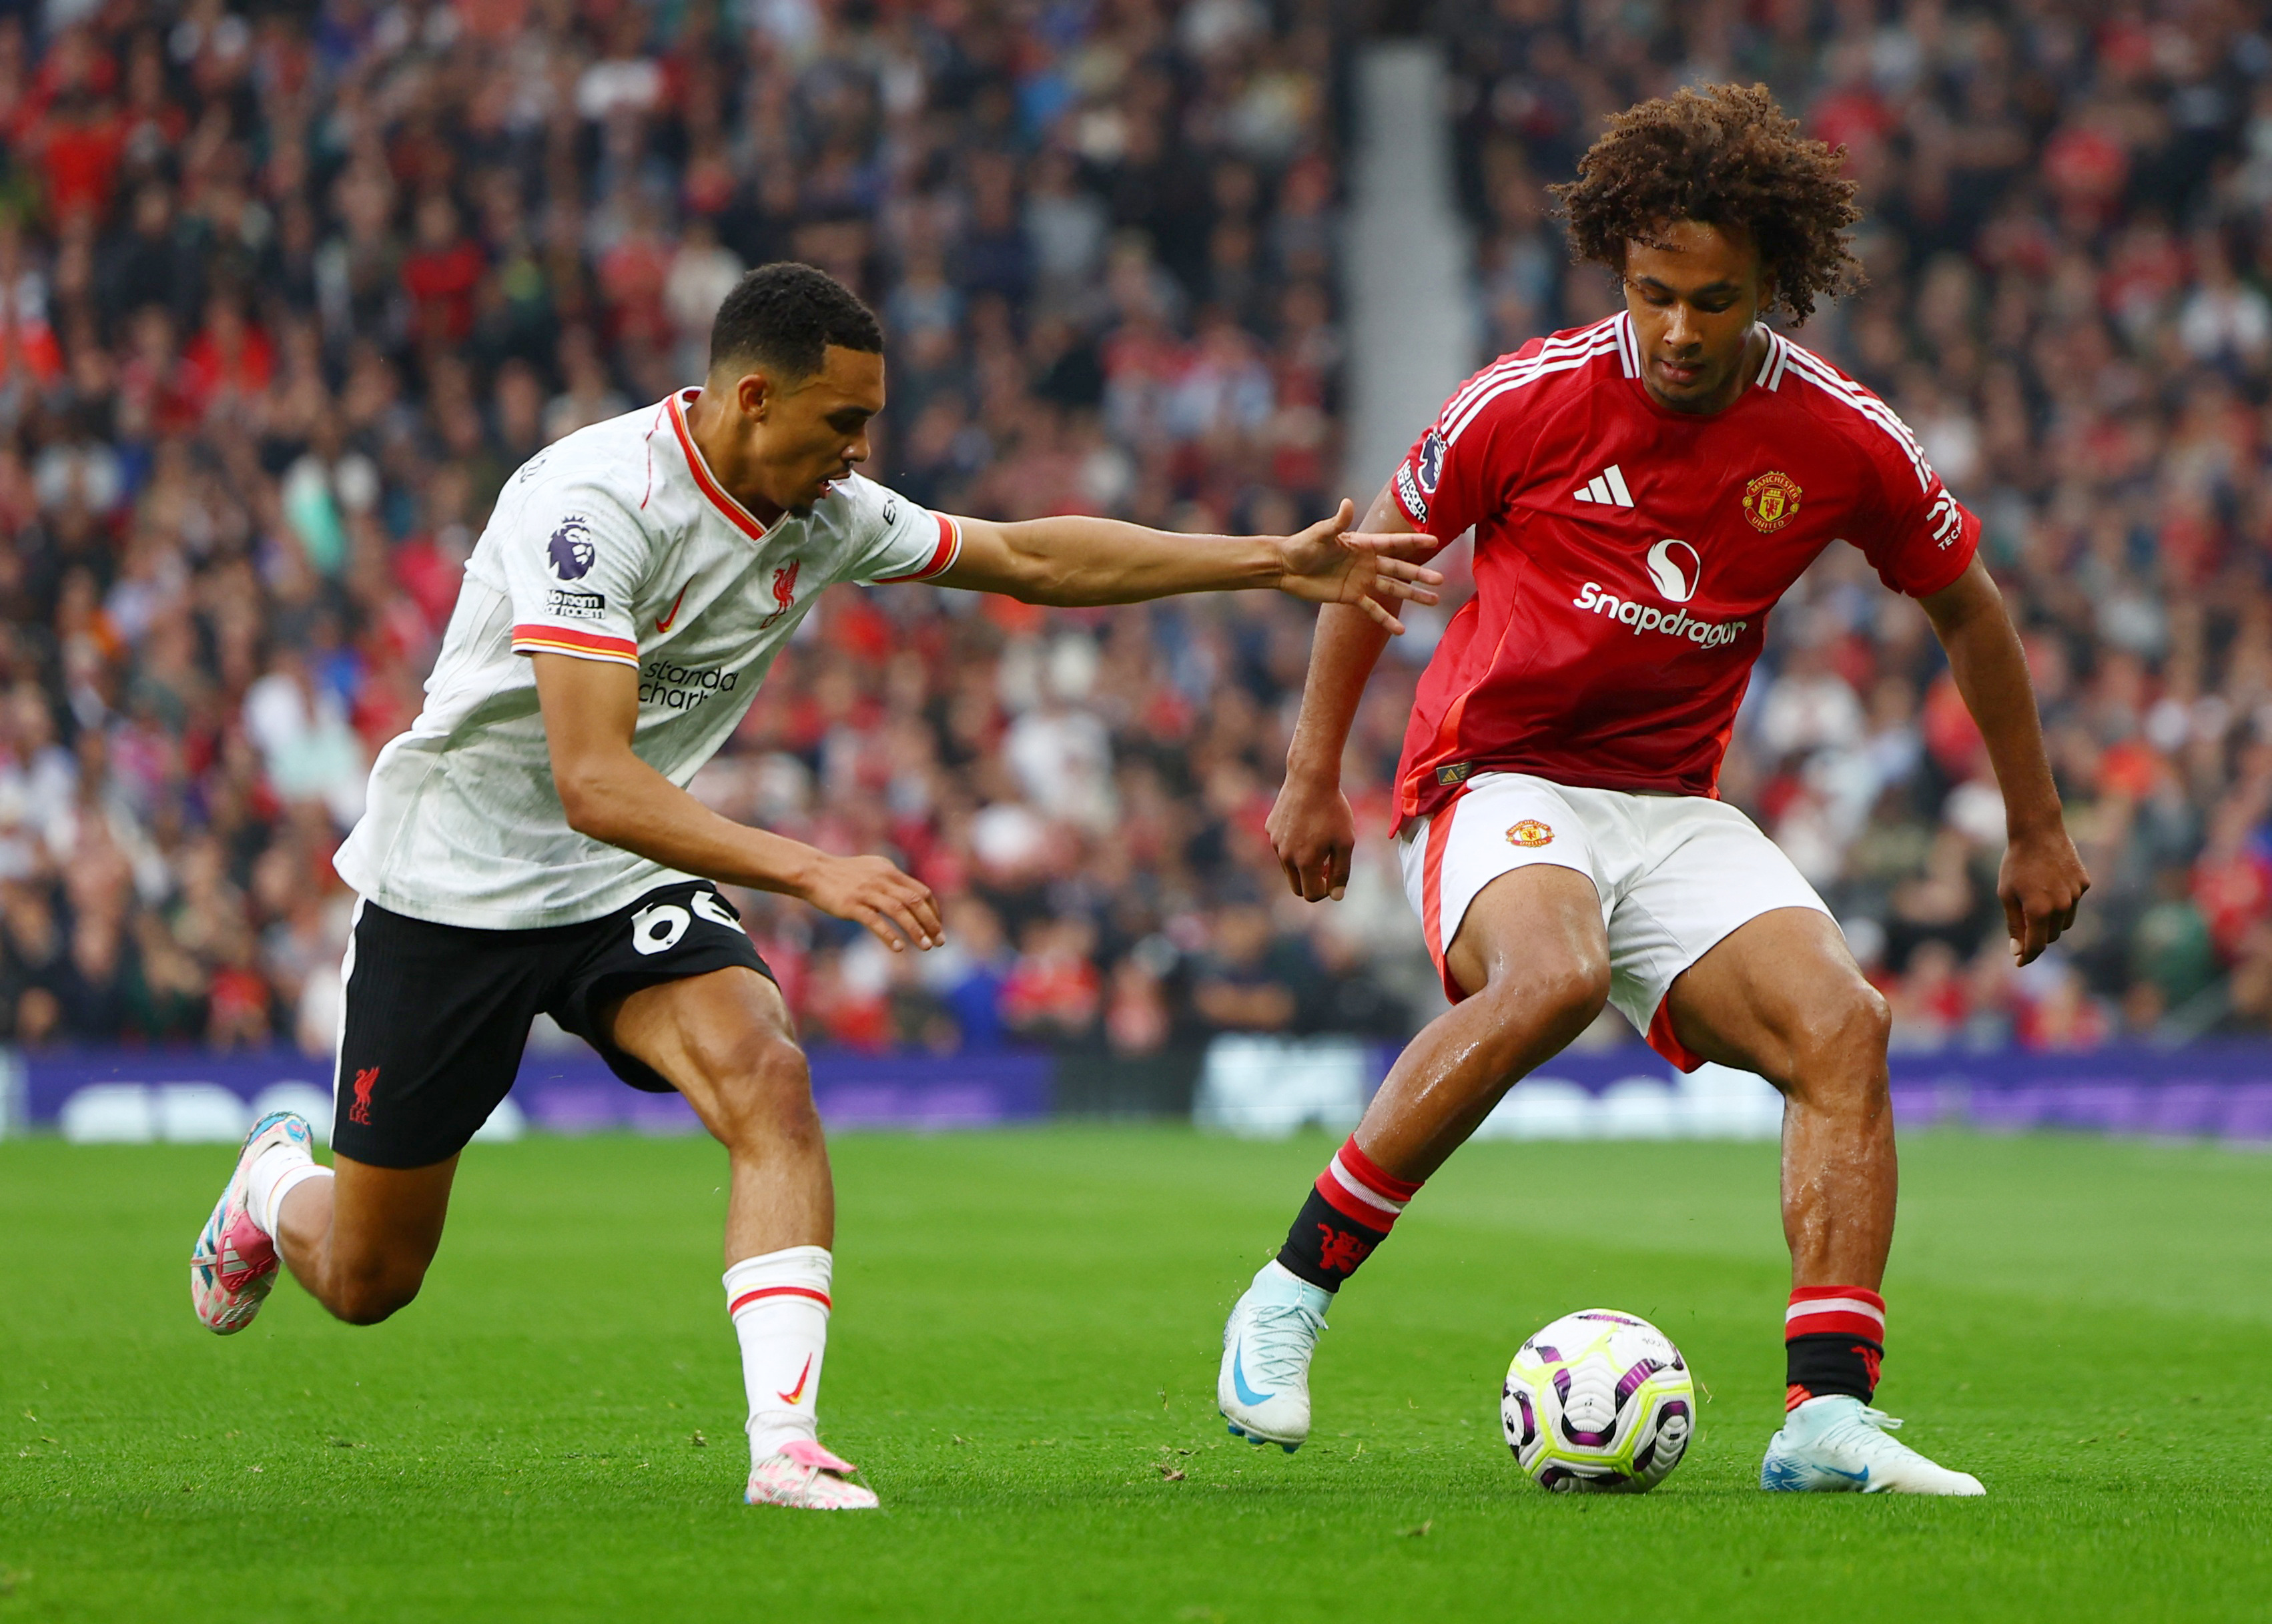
point(753, 392)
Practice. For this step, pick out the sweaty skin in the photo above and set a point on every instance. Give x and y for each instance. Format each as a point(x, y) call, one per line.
point(1781, 996)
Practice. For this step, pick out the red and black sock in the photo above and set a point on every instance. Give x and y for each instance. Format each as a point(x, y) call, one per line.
point(1834, 1341)
point(1349, 1211)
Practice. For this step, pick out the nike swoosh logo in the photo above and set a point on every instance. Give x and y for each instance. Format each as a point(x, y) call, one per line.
point(1862, 1477)
point(664, 624)
point(1246, 1395)
point(798, 1392)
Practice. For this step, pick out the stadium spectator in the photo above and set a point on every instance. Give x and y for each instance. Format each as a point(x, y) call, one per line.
point(284, 300)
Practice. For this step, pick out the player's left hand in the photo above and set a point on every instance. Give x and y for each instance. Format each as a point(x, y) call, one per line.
point(1329, 563)
point(2041, 885)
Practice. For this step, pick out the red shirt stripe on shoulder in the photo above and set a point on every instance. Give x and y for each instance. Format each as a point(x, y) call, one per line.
point(942, 556)
point(540, 638)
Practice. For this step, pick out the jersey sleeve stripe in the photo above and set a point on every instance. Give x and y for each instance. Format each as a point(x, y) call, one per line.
point(942, 556)
point(1604, 344)
point(1583, 341)
point(1865, 405)
point(540, 638)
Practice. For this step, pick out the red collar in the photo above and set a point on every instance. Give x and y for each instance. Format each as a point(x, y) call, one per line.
point(738, 516)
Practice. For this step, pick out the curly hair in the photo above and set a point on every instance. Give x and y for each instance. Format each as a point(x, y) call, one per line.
point(1724, 155)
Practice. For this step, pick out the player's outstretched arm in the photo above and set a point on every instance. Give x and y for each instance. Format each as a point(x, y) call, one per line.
point(1075, 560)
point(591, 707)
point(1312, 828)
point(2042, 879)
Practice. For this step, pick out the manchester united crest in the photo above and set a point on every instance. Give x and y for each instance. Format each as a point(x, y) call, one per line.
point(1530, 832)
point(1771, 501)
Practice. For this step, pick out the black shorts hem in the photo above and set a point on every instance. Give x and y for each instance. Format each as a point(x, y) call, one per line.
point(437, 1015)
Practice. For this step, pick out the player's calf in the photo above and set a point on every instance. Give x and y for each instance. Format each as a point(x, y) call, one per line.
point(724, 1041)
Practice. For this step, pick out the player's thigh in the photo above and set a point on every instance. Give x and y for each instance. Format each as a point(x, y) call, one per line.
point(386, 1221)
point(723, 1039)
point(1781, 995)
point(430, 1036)
point(1716, 935)
point(1534, 934)
point(1508, 880)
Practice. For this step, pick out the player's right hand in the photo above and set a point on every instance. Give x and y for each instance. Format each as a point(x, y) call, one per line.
point(869, 891)
point(1315, 832)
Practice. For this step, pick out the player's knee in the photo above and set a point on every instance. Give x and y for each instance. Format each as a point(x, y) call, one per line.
point(764, 1092)
point(1581, 990)
point(367, 1296)
point(1840, 1049)
point(1560, 993)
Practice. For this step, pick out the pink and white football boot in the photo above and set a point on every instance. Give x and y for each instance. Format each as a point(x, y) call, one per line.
point(804, 1475)
point(233, 1267)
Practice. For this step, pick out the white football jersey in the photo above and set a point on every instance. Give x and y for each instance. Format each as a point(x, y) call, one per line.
point(617, 543)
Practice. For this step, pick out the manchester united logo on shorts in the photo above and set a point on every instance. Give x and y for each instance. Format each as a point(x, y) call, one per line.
point(1530, 832)
point(1771, 501)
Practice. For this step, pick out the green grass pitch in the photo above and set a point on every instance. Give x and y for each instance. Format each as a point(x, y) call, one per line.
point(1023, 1361)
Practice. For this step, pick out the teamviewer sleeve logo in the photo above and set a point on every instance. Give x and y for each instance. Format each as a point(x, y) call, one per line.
point(571, 550)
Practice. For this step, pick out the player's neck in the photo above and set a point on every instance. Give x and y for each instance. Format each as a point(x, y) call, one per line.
point(1739, 379)
point(731, 463)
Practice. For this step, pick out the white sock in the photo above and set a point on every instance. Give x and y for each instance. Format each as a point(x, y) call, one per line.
point(275, 1173)
point(779, 1306)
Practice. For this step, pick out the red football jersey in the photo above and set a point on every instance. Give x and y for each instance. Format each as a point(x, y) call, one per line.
point(1626, 555)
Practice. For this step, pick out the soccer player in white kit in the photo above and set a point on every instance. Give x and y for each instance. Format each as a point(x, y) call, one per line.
point(530, 844)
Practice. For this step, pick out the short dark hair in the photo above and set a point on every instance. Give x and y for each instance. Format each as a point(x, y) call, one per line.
point(1724, 155)
point(786, 315)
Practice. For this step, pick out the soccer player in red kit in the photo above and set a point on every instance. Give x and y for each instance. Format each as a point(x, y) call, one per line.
point(1642, 492)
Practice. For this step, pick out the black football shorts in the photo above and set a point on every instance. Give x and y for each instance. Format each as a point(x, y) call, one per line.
point(438, 1014)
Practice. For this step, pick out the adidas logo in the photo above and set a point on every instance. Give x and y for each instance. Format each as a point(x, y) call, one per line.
point(1607, 488)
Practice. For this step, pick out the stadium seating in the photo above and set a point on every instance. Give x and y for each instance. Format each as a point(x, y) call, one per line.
point(285, 297)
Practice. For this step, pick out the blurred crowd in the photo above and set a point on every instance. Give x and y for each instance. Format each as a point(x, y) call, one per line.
point(286, 292)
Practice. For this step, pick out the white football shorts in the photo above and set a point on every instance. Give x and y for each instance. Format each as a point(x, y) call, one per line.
point(1675, 874)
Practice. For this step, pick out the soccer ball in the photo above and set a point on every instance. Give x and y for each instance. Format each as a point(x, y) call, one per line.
point(1599, 1401)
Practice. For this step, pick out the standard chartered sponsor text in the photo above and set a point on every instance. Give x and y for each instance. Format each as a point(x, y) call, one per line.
point(1647, 618)
point(681, 687)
